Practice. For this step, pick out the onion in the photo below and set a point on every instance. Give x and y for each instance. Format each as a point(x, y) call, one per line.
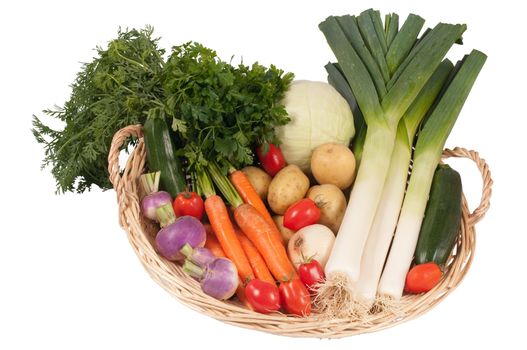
point(313, 241)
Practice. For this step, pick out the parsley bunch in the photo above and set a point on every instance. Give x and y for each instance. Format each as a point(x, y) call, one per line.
point(219, 111)
point(222, 111)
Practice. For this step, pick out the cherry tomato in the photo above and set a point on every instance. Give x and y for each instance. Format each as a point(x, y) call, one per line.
point(188, 203)
point(421, 278)
point(264, 297)
point(273, 160)
point(295, 297)
point(311, 273)
point(301, 214)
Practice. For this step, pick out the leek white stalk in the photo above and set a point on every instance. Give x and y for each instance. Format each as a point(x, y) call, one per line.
point(430, 143)
point(382, 118)
point(387, 213)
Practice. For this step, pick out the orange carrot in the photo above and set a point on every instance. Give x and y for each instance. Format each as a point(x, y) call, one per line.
point(212, 243)
point(261, 271)
point(250, 196)
point(224, 231)
point(214, 246)
point(258, 230)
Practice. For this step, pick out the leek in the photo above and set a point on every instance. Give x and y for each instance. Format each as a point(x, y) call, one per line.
point(428, 150)
point(385, 220)
point(382, 117)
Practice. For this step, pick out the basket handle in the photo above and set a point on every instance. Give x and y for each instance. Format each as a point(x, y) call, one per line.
point(115, 150)
point(483, 167)
point(132, 166)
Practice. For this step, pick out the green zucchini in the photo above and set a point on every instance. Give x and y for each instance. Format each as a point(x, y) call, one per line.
point(442, 218)
point(161, 156)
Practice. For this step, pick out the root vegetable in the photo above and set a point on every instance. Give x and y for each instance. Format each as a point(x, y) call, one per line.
point(314, 241)
point(332, 204)
point(333, 163)
point(154, 198)
point(259, 179)
point(287, 187)
point(219, 279)
point(286, 233)
point(175, 233)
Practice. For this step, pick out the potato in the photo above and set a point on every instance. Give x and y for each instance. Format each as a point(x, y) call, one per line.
point(333, 163)
point(286, 233)
point(332, 203)
point(259, 179)
point(287, 187)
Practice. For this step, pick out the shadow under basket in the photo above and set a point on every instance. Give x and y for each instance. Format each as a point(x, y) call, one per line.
point(171, 277)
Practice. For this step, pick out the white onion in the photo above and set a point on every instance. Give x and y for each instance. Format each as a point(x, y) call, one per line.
point(313, 241)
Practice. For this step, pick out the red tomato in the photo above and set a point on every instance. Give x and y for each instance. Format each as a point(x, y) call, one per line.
point(273, 160)
point(188, 203)
point(311, 273)
point(421, 278)
point(301, 214)
point(264, 297)
point(295, 297)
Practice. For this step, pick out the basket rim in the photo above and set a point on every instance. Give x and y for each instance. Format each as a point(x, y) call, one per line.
point(172, 278)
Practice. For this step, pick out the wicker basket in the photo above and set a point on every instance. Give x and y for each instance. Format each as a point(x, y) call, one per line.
point(171, 277)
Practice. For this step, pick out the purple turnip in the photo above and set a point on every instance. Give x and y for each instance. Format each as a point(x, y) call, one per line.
point(175, 233)
point(150, 203)
point(154, 198)
point(199, 256)
point(219, 279)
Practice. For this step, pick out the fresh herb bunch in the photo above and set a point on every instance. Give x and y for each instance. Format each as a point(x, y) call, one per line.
point(116, 89)
point(219, 110)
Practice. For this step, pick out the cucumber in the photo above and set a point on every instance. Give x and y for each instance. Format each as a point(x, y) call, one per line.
point(442, 218)
point(161, 156)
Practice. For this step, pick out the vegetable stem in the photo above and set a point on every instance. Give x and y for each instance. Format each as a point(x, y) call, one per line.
point(225, 186)
point(429, 146)
point(347, 250)
point(193, 269)
point(166, 215)
point(150, 182)
point(186, 250)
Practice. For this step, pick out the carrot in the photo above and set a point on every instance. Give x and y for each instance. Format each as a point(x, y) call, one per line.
point(261, 271)
point(224, 231)
point(212, 243)
point(258, 230)
point(250, 196)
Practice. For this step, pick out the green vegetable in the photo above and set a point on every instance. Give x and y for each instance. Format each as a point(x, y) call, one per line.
point(161, 156)
point(382, 108)
point(318, 115)
point(430, 142)
point(115, 90)
point(442, 218)
point(385, 221)
point(221, 111)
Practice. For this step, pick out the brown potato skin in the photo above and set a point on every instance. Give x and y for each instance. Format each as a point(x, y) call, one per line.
point(332, 203)
point(287, 187)
point(333, 163)
point(259, 179)
point(286, 233)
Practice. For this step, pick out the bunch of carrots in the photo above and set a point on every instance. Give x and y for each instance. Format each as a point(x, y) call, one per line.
point(252, 242)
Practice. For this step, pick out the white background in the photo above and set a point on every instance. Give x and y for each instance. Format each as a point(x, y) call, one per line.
point(68, 276)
